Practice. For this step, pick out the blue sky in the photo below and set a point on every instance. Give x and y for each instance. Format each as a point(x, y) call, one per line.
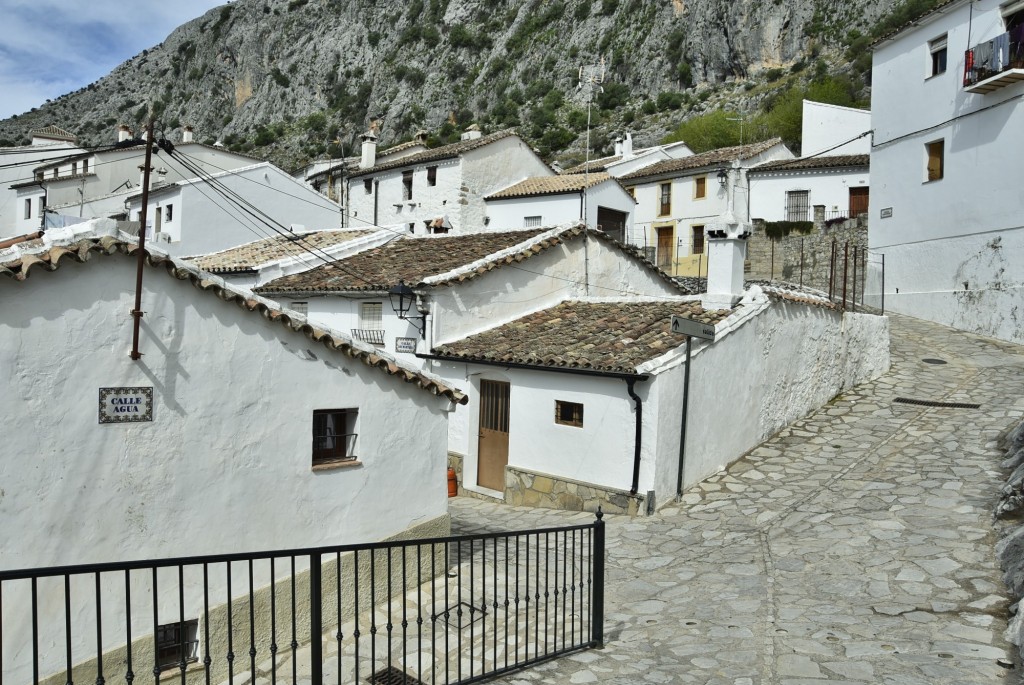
point(52, 47)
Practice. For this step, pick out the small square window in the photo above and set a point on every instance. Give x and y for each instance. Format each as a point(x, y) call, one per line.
point(368, 186)
point(300, 307)
point(936, 153)
point(937, 52)
point(431, 175)
point(371, 315)
point(569, 413)
point(334, 436)
point(700, 187)
point(532, 221)
point(177, 643)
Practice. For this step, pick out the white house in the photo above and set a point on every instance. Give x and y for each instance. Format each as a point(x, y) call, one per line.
point(22, 197)
point(249, 429)
point(230, 208)
point(679, 199)
point(441, 189)
point(454, 290)
point(95, 184)
point(628, 159)
point(834, 130)
point(949, 123)
point(789, 189)
point(552, 200)
point(580, 404)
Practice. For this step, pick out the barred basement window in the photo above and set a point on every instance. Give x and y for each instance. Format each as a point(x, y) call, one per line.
point(569, 413)
point(334, 436)
point(177, 643)
point(531, 221)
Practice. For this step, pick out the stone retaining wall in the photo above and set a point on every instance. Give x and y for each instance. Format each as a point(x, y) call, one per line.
point(1010, 549)
point(531, 489)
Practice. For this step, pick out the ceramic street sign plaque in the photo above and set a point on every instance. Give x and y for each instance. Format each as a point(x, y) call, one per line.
point(405, 345)
point(126, 405)
point(694, 329)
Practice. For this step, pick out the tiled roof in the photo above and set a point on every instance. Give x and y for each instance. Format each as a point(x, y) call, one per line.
point(401, 147)
point(822, 162)
point(437, 153)
point(251, 255)
point(550, 185)
point(775, 290)
point(613, 337)
point(725, 154)
point(412, 260)
point(593, 165)
point(54, 133)
point(939, 6)
point(85, 250)
point(441, 260)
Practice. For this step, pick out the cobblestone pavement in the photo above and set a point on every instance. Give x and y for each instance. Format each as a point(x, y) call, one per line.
point(855, 546)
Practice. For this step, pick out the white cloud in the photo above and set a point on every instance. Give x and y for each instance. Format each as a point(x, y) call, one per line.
point(51, 47)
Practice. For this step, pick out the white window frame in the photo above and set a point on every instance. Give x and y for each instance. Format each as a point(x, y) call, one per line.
point(935, 46)
point(371, 316)
point(533, 221)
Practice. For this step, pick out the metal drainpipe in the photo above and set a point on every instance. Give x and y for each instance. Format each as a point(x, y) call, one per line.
point(639, 434)
point(376, 194)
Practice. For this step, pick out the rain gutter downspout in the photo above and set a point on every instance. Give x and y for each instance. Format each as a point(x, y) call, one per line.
point(638, 441)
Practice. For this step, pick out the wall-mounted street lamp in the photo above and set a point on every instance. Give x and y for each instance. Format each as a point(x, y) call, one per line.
point(723, 177)
point(402, 299)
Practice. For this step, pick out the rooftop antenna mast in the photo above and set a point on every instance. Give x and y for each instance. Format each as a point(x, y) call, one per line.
point(591, 78)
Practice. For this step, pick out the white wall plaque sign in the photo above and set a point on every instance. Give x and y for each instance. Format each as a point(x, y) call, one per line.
point(405, 345)
point(126, 405)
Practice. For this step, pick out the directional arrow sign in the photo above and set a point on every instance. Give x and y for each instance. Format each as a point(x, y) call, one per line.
point(695, 329)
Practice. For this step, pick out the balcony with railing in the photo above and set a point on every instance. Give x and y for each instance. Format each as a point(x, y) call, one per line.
point(995, 63)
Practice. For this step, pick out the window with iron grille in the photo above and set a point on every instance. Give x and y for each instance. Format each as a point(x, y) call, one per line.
point(797, 207)
point(431, 175)
point(532, 221)
point(334, 436)
point(177, 643)
point(406, 185)
point(371, 315)
point(698, 239)
point(665, 199)
point(569, 413)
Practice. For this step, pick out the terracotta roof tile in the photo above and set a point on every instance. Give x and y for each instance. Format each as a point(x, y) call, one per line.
point(436, 154)
point(54, 133)
point(251, 255)
point(725, 154)
point(550, 185)
point(593, 165)
point(613, 337)
point(822, 162)
point(84, 250)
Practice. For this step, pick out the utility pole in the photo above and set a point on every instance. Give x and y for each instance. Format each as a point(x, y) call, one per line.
point(141, 249)
point(591, 77)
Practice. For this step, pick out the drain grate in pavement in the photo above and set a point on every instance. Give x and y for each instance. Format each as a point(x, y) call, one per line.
point(933, 403)
point(393, 676)
point(932, 360)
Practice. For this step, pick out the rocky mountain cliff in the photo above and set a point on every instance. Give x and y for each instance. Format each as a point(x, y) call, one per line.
point(297, 79)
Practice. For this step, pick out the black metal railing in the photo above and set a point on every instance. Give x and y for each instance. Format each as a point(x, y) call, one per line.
point(441, 610)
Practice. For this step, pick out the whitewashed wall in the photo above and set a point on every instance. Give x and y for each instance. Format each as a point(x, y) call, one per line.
point(828, 187)
point(511, 213)
point(203, 221)
point(826, 126)
point(948, 244)
point(490, 168)
point(36, 196)
point(26, 157)
point(225, 466)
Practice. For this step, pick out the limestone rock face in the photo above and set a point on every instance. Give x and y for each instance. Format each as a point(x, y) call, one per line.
point(420, 63)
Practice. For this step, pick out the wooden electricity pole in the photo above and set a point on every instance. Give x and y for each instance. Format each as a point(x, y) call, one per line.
point(141, 250)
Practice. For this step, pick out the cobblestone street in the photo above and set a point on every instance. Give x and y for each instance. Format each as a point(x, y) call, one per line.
point(855, 546)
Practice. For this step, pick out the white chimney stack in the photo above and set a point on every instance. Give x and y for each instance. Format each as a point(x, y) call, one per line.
point(472, 133)
point(123, 133)
point(627, 145)
point(618, 146)
point(187, 135)
point(369, 157)
point(727, 252)
point(142, 175)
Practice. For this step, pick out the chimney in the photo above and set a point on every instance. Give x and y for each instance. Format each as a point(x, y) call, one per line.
point(161, 175)
point(421, 137)
point(187, 135)
point(472, 132)
point(727, 251)
point(618, 146)
point(627, 145)
point(142, 175)
point(123, 133)
point(369, 157)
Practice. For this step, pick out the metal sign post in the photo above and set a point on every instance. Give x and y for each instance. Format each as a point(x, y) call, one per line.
point(691, 329)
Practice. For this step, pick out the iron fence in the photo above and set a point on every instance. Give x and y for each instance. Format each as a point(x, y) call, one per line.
point(442, 610)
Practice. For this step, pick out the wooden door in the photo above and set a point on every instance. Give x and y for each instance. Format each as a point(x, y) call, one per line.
point(858, 201)
point(492, 454)
point(665, 245)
